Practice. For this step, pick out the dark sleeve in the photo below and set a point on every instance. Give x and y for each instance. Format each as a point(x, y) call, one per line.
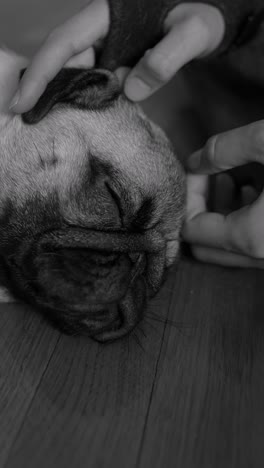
point(136, 25)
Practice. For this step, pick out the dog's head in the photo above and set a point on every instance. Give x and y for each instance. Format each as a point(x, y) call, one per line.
point(91, 205)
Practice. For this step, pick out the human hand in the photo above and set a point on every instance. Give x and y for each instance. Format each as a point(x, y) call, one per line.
point(191, 30)
point(71, 44)
point(231, 238)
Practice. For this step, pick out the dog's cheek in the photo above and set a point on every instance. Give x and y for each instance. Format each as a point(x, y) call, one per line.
point(172, 251)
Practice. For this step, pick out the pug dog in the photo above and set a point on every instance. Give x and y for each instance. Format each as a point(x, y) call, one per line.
point(91, 204)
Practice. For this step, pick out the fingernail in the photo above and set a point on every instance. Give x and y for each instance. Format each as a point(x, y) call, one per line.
point(15, 100)
point(194, 161)
point(136, 89)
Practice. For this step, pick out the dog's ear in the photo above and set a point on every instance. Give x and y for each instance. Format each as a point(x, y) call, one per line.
point(76, 87)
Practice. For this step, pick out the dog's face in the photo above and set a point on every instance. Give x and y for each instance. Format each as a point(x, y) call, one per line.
point(91, 205)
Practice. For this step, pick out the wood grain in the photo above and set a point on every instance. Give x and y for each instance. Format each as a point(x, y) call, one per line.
point(207, 408)
point(25, 350)
point(185, 391)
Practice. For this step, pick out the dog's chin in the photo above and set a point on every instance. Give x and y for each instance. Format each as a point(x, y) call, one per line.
point(105, 304)
point(103, 322)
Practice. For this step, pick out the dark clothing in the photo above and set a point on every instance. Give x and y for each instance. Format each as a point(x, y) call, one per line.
point(136, 25)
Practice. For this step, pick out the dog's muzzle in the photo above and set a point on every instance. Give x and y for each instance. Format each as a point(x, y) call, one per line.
point(90, 282)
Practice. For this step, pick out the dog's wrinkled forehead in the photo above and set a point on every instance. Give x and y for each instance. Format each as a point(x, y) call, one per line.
point(98, 152)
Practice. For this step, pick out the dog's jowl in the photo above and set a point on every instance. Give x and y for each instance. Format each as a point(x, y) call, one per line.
point(91, 206)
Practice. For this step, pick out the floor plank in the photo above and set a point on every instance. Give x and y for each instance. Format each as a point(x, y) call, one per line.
point(92, 403)
point(26, 347)
point(207, 408)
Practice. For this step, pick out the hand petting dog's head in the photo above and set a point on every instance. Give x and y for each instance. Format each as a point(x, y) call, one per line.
point(91, 205)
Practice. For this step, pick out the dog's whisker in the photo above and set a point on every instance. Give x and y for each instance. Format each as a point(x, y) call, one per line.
point(142, 331)
point(137, 340)
point(148, 322)
point(166, 322)
point(52, 254)
point(128, 346)
point(173, 323)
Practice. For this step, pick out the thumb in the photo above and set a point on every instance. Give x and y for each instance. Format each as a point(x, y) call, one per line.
point(181, 44)
point(192, 30)
point(77, 35)
point(230, 149)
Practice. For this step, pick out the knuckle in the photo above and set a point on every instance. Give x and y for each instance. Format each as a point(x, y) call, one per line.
point(41, 81)
point(59, 38)
point(44, 78)
point(253, 246)
point(54, 35)
point(245, 240)
point(157, 65)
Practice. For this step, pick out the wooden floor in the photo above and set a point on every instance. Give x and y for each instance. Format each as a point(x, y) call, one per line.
point(186, 391)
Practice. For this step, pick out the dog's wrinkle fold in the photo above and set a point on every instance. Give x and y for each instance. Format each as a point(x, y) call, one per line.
point(145, 214)
point(116, 198)
point(108, 241)
point(64, 253)
point(131, 309)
